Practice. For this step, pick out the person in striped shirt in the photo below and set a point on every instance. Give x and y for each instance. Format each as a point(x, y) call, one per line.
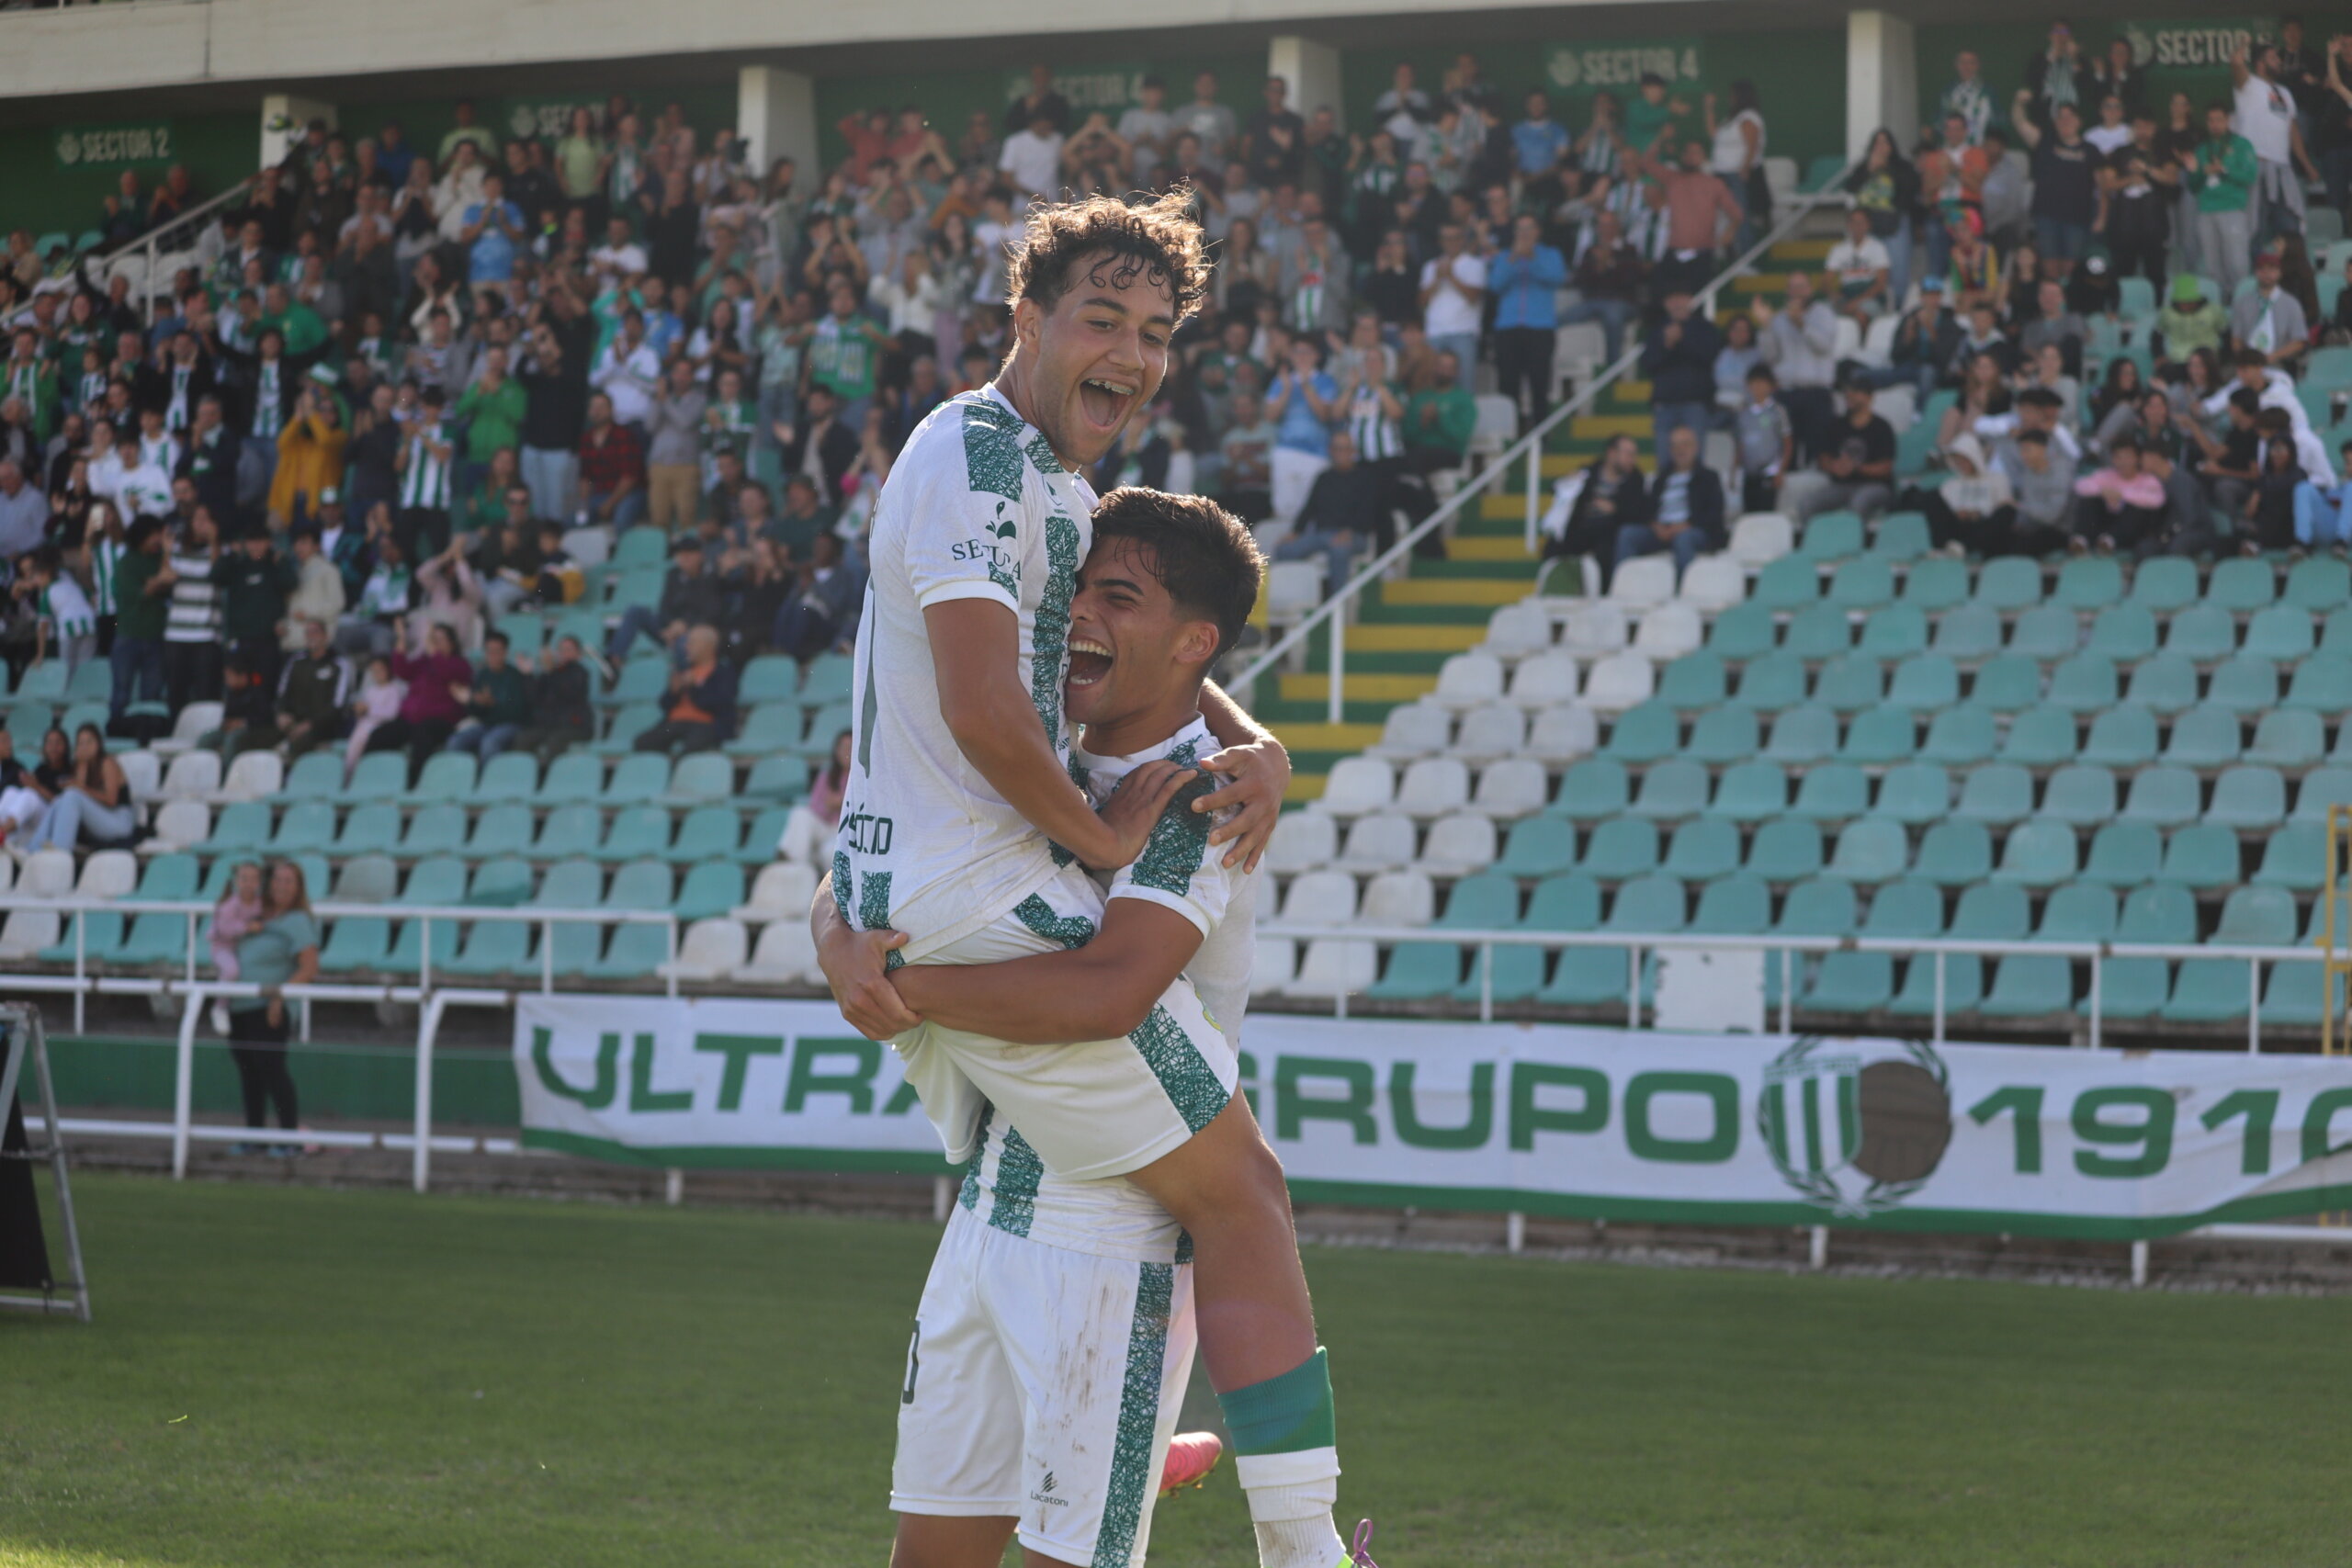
point(423, 469)
point(69, 627)
point(192, 621)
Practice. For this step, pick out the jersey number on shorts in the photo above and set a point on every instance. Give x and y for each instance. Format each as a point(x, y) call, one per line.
point(914, 1365)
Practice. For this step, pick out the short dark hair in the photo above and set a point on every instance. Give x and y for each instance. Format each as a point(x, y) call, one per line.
point(2246, 399)
point(1199, 552)
point(501, 638)
point(2040, 398)
point(1157, 239)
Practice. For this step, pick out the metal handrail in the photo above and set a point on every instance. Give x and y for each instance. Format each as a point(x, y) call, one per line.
point(151, 242)
point(1529, 448)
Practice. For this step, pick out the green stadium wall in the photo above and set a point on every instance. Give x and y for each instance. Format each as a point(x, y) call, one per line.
point(53, 189)
point(360, 1083)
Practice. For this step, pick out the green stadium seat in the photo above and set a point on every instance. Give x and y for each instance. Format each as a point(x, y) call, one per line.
point(2040, 737)
point(640, 547)
point(1643, 733)
point(623, 728)
point(640, 779)
point(1849, 683)
point(448, 777)
point(826, 682)
point(1693, 682)
point(2247, 684)
point(1723, 735)
point(2320, 788)
point(637, 951)
point(1672, 791)
point(1485, 901)
point(2166, 684)
point(637, 586)
point(170, 877)
point(307, 825)
point(825, 726)
point(2125, 632)
point(27, 722)
point(441, 881)
point(638, 833)
point(1959, 736)
point(2122, 737)
point(701, 776)
point(1818, 632)
point(367, 879)
point(2123, 854)
point(1802, 735)
point(1592, 976)
point(1566, 903)
point(1772, 682)
point(1702, 849)
point(2140, 987)
point(2288, 738)
point(2163, 797)
point(2088, 583)
point(1895, 631)
point(2205, 738)
point(2165, 583)
point(1831, 536)
point(434, 830)
point(2247, 799)
point(2280, 633)
point(2212, 991)
point(1997, 795)
point(1734, 905)
point(773, 728)
point(2039, 852)
point(2045, 632)
point(639, 680)
point(100, 939)
point(2317, 586)
point(372, 829)
point(1742, 631)
point(1592, 789)
point(1901, 537)
point(2009, 583)
point(1863, 584)
point(1751, 791)
point(381, 775)
point(1915, 793)
point(761, 839)
point(2202, 634)
point(2081, 795)
point(315, 775)
point(490, 948)
point(1880, 737)
point(242, 829)
point(769, 677)
point(570, 946)
point(1832, 794)
point(1785, 850)
point(1967, 633)
point(1418, 971)
point(1790, 583)
point(2292, 997)
point(1925, 682)
point(44, 683)
point(2007, 684)
point(500, 884)
point(2201, 857)
point(357, 944)
point(1538, 846)
point(1820, 906)
point(2030, 986)
point(2158, 915)
point(2294, 858)
point(573, 778)
point(568, 832)
point(1936, 584)
point(708, 833)
point(1871, 850)
point(776, 778)
point(2242, 585)
point(499, 831)
point(511, 776)
point(1620, 849)
point(2083, 684)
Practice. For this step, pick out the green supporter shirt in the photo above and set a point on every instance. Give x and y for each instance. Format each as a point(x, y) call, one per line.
point(510, 701)
point(253, 594)
point(497, 417)
point(267, 956)
point(137, 612)
point(2225, 174)
point(1455, 419)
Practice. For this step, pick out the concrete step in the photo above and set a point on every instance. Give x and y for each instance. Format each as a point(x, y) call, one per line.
point(1300, 737)
point(1317, 688)
point(1459, 591)
point(1491, 548)
point(1374, 637)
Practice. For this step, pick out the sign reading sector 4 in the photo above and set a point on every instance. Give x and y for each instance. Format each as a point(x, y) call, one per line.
point(1546, 1119)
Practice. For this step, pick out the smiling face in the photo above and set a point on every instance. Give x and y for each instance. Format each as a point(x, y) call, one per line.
point(1130, 647)
point(1094, 356)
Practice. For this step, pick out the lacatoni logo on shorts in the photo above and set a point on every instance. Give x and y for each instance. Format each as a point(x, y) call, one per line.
point(1853, 1136)
point(1045, 1494)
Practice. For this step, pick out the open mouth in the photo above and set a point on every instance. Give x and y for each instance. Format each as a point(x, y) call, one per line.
point(1105, 400)
point(1090, 662)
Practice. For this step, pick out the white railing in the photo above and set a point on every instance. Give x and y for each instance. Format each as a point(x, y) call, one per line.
point(186, 226)
point(1528, 449)
point(1789, 949)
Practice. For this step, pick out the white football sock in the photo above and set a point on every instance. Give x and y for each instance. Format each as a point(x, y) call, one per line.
point(1291, 1497)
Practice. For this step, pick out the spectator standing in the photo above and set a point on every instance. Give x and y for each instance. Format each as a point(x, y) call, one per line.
point(2065, 180)
point(1304, 404)
point(1763, 436)
point(426, 454)
point(1525, 281)
point(553, 417)
point(674, 451)
point(1736, 157)
point(192, 623)
point(1966, 97)
point(492, 410)
point(255, 584)
point(1246, 460)
point(24, 511)
point(2265, 117)
point(1453, 293)
point(1701, 216)
point(612, 469)
point(2267, 318)
point(1608, 279)
point(283, 951)
point(1678, 360)
point(2224, 173)
point(1800, 342)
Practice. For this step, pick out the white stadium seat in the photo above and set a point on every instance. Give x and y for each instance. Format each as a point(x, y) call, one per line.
point(1511, 787)
point(1643, 582)
point(1899, 406)
point(783, 891)
point(1335, 966)
point(711, 950)
point(1878, 343)
point(1762, 537)
point(1399, 899)
point(1468, 679)
point(1618, 682)
point(1434, 787)
point(142, 771)
point(1713, 582)
point(1380, 842)
point(1293, 588)
point(253, 776)
point(28, 931)
point(1358, 784)
point(178, 824)
point(1499, 730)
point(107, 874)
point(1562, 733)
point(1595, 629)
point(1412, 729)
point(1517, 630)
point(194, 720)
point(193, 776)
point(787, 955)
point(1497, 423)
point(1547, 678)
point(1458, 845)
point(48, 873)
point(1669, 631)
point(1301, 842)
point(1270, 971)
point(1319, 898)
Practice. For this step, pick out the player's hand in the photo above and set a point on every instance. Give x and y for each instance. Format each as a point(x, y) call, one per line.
point(1135, 807)
point(1261, 778)
point(853, 961)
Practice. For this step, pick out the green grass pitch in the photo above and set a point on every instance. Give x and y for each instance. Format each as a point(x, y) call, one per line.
point(302, 1377)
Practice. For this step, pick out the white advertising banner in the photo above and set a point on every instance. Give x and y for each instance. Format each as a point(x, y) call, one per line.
point(1548, 1119)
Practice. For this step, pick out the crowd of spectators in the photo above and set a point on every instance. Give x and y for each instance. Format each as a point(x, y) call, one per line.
point(2101, 303)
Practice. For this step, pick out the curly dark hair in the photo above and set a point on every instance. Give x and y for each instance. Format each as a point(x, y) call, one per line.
point(1201, 553)
point(1155, 239)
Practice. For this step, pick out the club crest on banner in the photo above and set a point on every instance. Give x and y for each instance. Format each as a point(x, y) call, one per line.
point(1855, 1137)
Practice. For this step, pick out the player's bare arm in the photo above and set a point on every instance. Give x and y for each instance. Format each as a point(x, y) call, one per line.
point(1259, 768)
point(1099, 991)
point(974, 644)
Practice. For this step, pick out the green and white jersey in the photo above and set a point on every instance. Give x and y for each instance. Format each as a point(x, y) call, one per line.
point(976, 507)
point(68, 609)
point(841, 356)
point(1007, 1186)
point(426, 481)
point(106, 556)
point(145, 491)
